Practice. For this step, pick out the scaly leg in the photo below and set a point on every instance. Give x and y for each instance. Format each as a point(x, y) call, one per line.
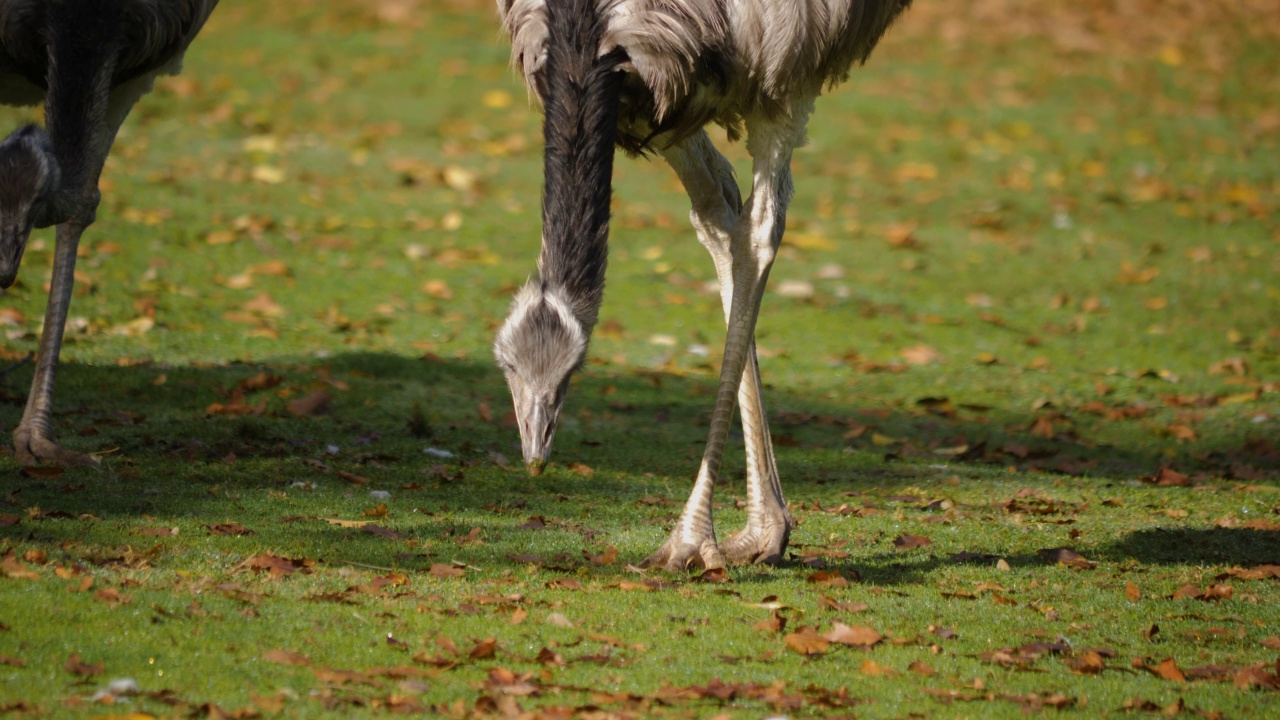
point(713, 192)
point(33, 438)
point(743, 256)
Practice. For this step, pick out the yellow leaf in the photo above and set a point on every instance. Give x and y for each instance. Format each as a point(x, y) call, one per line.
point(134, 327)
point(239, 282)
point(496, 99)
point(460, 178)
point(268, 174)
point(920, 355)
point(260, 144)
point(271, 267)
point(1170, 55)
point(437, 289)
point(264, 305)
point(220, 237)
point(916, 171)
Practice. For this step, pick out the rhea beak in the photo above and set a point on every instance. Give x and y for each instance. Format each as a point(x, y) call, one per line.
point(538, 414)
point(13, 242)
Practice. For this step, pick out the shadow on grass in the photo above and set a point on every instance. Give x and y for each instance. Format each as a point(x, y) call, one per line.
point(1192, 546)
point(1153, 546)
point(620, 422)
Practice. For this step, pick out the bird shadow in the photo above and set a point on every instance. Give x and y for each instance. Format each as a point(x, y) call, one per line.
point(633, 435)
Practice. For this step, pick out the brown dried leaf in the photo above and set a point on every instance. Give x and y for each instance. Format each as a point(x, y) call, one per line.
point(276, 565)
point(858, 636)
point(484, 649)
point(1089, 663)
point(1068, 557)
point(565, 584)
point(1165, 669)
point(908, 542)
point(829, 603)
point(714, 576)
point(353, 478)
point(1131, 592)
point(229, 528)
point(806, 641)
point(77, 667)
point(441, 570)
point(316, 403)
point(875, 669)
point(775, 624)
point(827, 578)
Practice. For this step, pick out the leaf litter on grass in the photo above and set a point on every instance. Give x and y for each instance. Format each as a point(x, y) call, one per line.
point(984, 464)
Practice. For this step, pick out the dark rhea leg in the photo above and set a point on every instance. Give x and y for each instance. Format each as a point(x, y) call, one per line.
point(33, 438)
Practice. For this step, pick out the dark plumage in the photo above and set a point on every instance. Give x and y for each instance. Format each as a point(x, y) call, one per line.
point(557, 310)
point(88, 61)
point(648, 75)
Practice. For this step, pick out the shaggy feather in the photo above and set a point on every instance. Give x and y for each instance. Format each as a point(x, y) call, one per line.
point(579, 131)
point(152, 36)
point(692, 62)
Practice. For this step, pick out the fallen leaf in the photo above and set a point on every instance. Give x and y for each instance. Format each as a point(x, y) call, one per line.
point(1089, 663)
point(920, 355)
point(1131, 592)
point(806, 641)
point(76, 666)
point(776, 623)
point(440, 570)
point(875, 669)
point(484, 649)
point(858, 636)
point(908, 542)
point(229, 528)
point(1064, 556)
point(1165, 670)
point(316, 403)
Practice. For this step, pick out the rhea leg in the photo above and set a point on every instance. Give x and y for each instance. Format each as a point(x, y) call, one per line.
point(742, 246)
point(33, 438)
point(713, 192)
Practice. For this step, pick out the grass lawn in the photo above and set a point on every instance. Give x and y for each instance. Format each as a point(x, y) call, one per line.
point(1027, 303)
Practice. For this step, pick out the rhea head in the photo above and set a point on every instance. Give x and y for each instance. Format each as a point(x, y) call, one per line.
point(29, 178)
point(538, 348)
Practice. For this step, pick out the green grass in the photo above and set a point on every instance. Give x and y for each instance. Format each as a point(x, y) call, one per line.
point(1090, 284)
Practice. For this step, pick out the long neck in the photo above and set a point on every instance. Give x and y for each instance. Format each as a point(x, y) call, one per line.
point(580, 92)
point(84, 42)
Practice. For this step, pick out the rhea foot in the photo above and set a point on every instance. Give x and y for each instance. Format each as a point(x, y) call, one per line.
point(680, 555)
point(32, 448)
point(760, 544)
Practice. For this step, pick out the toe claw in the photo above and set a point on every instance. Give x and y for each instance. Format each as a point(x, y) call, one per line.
point(675, 556)
point(31, 449)
point(765, 545)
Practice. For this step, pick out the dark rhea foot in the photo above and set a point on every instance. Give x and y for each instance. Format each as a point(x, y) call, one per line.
point(676, 555)
point(32, 449)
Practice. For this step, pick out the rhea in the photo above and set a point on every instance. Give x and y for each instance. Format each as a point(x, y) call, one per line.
point(88, 61)
point(648, 76)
